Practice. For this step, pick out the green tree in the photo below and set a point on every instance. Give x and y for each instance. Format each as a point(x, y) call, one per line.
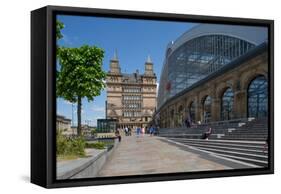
point(80, 75)
point(59, 27)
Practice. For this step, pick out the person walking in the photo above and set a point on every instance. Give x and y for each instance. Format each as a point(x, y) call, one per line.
point(129, 131)
point(151, 130)
point(187, 122)
point(126, 131)
point(118, 135)
point(138, 131)
point(142, 131)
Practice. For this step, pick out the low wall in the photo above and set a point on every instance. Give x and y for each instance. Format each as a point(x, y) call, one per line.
point(85, 167)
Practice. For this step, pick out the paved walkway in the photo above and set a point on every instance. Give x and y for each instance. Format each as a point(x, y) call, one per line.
point(150, 155)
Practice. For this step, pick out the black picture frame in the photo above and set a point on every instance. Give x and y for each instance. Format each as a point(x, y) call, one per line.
point(43, 100)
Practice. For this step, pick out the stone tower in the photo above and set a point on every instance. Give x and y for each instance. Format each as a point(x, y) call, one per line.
point(148, 67)
point(114, 64)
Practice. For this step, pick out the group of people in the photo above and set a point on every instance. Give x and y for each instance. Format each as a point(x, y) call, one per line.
point(128, 131)
point(152, 130)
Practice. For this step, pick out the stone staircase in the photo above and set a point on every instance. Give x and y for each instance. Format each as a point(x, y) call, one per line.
point(240, 141)
point(255, 130)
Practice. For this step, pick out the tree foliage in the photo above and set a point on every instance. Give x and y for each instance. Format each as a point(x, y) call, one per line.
point(80, 75)
point(59, 27)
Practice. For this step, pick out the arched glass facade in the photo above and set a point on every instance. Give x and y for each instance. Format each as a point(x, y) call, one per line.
point(195, 59)
point(227, 104)
point(180, 116)
point(258, 97)
point(191, 109)
point(207, 102)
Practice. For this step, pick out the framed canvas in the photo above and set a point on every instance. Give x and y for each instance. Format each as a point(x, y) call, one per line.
point(126, 96)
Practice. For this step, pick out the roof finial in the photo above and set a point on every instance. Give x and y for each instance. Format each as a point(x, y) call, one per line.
point(115, 57)
point(148, 60)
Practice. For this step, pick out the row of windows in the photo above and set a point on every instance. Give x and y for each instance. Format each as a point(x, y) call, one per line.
point(150, 89)
point(131, 114)
point(132, 97)
point(113, 87)
point(257, 97)
point(149, 81)
point(113, 79)
point(257, 102)
point(132, 106)
point(132, 90)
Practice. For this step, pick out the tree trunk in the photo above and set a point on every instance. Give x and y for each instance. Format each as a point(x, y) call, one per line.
point(79, 129)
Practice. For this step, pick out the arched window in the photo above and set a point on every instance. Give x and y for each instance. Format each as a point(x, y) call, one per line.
point(227, 104)
point(207, 109)
point(180, 116)
point(257, 97)
point(172, 114)
point(180, 109)
point(191, 112)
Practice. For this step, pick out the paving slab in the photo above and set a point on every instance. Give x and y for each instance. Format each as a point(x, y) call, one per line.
point(149, 155)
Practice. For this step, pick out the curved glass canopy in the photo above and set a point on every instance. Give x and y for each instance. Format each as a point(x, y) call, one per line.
point(195, 59)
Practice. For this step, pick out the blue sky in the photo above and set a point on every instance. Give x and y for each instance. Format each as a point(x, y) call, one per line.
point(133, 39)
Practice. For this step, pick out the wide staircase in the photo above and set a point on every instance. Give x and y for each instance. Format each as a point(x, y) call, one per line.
point(241, 140)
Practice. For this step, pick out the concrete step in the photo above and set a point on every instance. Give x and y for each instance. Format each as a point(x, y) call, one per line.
point(249, 133)
point(257, 157)
point(260, 163)
point(223, 147)
point(246, 151)
point(225, 141)
point(244, 139)
point(246, 135)
point(250, 130)
point(180, 135)
point(255, 147)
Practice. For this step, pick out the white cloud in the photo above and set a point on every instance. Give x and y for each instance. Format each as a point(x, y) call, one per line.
point(66, 40)
point(67, 102)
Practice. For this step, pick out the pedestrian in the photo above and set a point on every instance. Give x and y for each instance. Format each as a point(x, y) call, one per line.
point(187, 122)
point(118, 135)
point(126, 131)
point(151, 130)
point(207, 134)
point(142, 131)
point(138, 131)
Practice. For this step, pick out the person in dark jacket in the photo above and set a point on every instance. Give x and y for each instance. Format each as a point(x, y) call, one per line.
point(207, 134)
point(118, 135)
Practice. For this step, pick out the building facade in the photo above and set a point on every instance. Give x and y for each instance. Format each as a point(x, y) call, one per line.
point(214, 73)
point(131, 98)
point(63, 124)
